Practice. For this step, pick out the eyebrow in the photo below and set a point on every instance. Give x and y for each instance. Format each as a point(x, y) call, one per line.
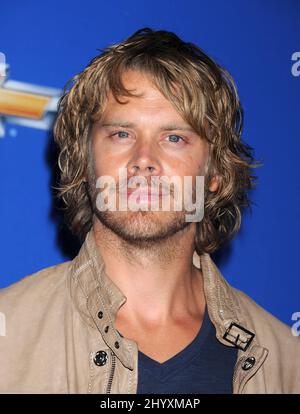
point(167, 127)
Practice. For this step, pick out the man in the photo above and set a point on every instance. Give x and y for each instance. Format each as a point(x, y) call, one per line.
point(143, 308)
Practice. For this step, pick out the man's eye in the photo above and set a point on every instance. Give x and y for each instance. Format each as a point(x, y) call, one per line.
point(175, 138)
point(121, 134)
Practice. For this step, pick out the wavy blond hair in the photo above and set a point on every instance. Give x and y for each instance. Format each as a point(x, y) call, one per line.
point(203, 93)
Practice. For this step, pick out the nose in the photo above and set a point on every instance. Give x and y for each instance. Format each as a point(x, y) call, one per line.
point(144, 160)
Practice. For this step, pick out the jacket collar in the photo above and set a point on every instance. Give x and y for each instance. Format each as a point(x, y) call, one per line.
point(98, 300)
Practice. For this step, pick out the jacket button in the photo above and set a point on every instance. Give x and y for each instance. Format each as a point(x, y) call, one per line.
point(100, 315)
point(248, 363)
point(117, 345)
point(106, 329)
point(100, 358)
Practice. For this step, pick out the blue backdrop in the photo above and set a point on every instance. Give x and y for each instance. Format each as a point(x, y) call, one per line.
point(46, 43)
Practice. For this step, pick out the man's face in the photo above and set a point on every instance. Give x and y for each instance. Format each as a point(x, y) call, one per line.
point(147, 137)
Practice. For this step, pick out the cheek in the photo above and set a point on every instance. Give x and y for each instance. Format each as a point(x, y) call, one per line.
point(192, 161)
point(199, 160)
point(105, 163)
point(190, 165)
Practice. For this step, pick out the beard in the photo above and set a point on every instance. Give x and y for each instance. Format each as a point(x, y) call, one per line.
point(139, 228)
point(143, 228)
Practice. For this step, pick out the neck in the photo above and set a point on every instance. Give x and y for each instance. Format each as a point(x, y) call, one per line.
point(160, 282)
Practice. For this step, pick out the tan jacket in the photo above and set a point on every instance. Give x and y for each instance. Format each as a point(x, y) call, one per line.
point(60, 335)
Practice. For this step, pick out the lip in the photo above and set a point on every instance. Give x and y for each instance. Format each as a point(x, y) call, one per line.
point(143, 193)
point(143, 196)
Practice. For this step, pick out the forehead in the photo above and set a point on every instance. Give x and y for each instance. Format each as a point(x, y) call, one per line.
point(147, 95)
point(134, 79)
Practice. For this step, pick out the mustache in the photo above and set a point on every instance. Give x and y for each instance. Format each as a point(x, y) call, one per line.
point(145, 188)
point(142, 187)
point(90, 186)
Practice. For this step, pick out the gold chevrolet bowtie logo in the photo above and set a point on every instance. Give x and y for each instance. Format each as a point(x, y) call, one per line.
point(22, 104)
point(25, 104)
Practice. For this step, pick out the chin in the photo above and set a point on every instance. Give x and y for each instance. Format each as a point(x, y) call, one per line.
point(142, 226)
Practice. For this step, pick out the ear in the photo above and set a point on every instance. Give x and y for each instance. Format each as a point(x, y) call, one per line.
point(214, 183)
